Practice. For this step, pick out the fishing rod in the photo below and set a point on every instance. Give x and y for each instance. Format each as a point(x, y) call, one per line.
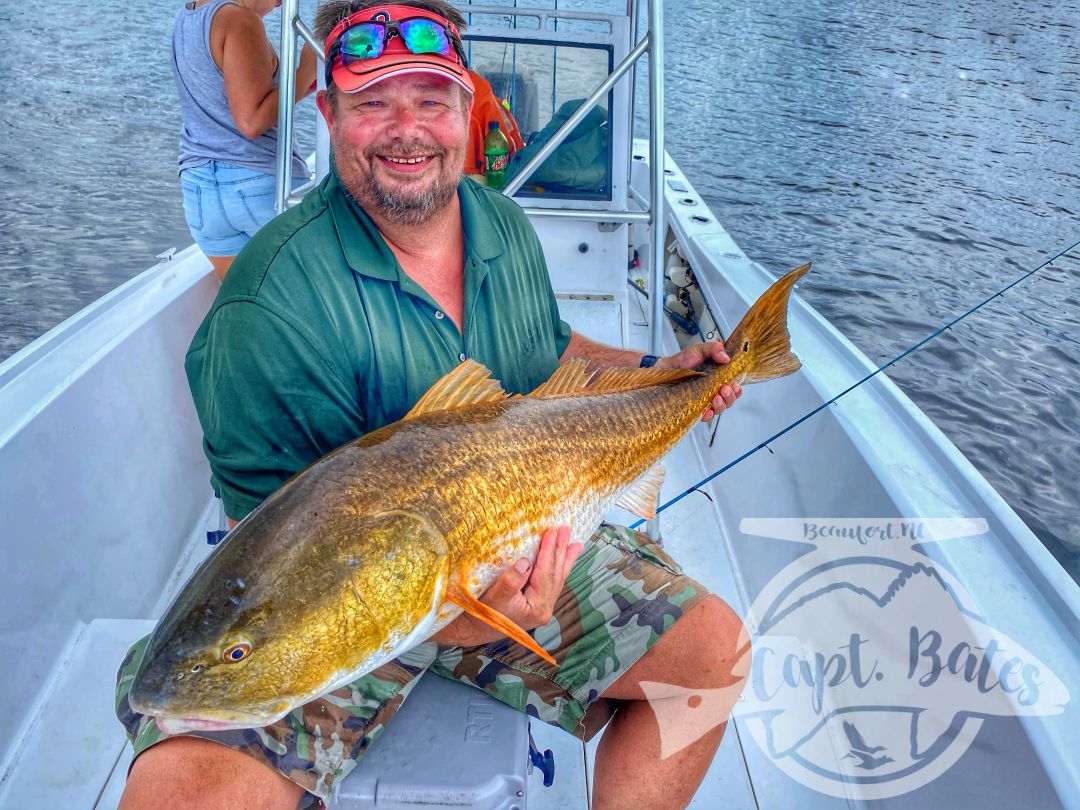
point(765, 444)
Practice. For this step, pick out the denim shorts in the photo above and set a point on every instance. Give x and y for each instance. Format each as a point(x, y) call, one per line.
point(225, 205)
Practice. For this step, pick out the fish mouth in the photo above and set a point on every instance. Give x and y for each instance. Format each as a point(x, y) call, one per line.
point(175, 721)
point(182, 725)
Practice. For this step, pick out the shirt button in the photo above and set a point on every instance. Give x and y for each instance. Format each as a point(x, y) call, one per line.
point(461, 357)
point(439, 314)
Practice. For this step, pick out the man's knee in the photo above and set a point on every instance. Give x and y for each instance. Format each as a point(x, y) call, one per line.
point(717, 640)
point(190, 772)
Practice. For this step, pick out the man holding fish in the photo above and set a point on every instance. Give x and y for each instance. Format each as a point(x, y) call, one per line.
point(332, 324)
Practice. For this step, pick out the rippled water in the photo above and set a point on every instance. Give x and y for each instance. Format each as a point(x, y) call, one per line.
point(921, 154)
point(88, 186)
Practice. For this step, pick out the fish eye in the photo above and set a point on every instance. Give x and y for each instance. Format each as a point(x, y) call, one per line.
point(746, 346)
point(236, 652)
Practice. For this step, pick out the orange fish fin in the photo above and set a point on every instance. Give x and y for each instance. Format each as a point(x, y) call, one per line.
point(468, 384)
point(568, 378)
point(642, 496)
point(613, 380)
point(457, 595)
point(763, 335)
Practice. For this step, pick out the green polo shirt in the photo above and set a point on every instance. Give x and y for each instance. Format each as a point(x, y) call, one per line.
point(318, 336)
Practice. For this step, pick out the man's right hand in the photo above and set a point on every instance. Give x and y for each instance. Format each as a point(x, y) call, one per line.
point(525, 594)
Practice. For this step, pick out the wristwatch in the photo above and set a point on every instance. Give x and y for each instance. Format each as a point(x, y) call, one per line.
point(649, 360)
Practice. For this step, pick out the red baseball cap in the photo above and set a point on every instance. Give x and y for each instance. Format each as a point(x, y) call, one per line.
point(396, 58)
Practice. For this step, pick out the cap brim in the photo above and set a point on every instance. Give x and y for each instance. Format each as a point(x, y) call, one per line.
point(386, 66)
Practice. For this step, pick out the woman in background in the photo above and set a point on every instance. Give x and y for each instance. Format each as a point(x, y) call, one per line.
point(226, 72)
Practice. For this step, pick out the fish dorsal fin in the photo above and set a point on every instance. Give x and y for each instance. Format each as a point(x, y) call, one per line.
point(456, 595)
point(468, 384)
point(642, 496)
point(573, 377)
point(568, 378)
point(613, 380)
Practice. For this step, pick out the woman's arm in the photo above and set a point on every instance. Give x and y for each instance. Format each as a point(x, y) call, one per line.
point(247, 61)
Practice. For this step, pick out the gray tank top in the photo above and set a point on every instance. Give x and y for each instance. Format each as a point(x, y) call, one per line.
point(208, 131)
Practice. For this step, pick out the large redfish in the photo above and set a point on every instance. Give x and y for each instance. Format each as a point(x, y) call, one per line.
point(387, 539)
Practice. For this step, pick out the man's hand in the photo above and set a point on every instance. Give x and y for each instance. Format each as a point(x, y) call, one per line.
point(525, 593)
point(692, 357)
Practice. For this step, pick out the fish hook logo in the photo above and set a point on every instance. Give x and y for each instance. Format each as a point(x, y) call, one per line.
point(872, 670)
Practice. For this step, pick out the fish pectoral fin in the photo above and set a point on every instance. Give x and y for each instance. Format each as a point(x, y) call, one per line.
point(468, 384)
point(457, 595)
point(642, 496)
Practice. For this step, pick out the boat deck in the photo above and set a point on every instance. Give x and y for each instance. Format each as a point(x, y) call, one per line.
point(690, 531)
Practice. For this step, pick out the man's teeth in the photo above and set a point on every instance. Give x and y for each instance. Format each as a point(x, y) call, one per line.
point(406, 160)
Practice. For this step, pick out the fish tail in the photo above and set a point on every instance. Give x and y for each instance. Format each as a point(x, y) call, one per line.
point(763, 336)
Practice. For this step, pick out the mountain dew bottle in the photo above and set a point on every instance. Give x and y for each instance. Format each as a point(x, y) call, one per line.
point(496, 156)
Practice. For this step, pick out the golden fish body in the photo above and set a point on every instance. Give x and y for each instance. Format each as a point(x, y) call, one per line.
point(379, 544)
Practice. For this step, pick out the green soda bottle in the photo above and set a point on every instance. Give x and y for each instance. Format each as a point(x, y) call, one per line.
point(496, 156)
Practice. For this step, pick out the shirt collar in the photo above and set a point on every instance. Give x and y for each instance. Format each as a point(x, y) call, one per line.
point(480, 236)
point(367, 252)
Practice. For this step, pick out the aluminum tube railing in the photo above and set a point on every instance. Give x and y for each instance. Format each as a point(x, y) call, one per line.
point(657, 201)
point(656, 169)
point(575, 119)
point(590, 216)
point(633, 11)
point(308, 37)
point(290, 10)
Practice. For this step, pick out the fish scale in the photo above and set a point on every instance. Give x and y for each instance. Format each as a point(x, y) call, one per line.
point(382, 542)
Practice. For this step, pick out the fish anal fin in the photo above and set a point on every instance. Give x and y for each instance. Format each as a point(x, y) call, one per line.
point(468, 384)
point(568, 378)
point(457, 595)
point(642, 496)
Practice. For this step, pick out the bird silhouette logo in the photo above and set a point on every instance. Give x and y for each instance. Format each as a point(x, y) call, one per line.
point(863, 752)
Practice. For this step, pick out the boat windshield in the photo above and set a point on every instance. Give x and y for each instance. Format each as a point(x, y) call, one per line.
point(542, 83)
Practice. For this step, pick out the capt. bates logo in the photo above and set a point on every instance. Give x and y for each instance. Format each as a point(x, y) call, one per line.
point(872, 669)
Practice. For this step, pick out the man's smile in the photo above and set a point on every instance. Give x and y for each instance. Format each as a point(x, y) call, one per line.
point(407, 164)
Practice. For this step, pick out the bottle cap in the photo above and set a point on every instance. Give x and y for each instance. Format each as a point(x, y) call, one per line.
point(493, 125)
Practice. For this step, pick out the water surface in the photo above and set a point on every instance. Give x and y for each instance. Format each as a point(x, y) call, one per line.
point(923, 155)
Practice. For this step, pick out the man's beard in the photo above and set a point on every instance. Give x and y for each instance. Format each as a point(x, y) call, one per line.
point(408, 203)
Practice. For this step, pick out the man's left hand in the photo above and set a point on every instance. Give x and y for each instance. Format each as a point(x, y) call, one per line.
point(692, 357)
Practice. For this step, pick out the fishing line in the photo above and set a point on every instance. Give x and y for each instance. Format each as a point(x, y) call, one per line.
point(871, 375)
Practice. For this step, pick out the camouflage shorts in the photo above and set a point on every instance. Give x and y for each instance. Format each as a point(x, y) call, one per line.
point(622, 594)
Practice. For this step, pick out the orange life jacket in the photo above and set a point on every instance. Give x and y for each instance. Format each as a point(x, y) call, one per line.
point(486, 108)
